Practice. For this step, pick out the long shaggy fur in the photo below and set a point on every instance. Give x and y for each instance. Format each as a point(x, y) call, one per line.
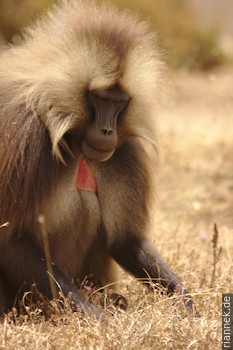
point(70, 50)
point(78, 47)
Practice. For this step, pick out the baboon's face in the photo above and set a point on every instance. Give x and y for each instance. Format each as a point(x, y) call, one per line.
point(107, 107)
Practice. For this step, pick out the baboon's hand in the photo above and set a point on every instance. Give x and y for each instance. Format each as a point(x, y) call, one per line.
point(77, 300)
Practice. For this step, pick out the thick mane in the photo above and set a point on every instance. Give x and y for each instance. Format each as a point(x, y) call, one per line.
point(42, 80)
point(26, 170)
point(72, 19)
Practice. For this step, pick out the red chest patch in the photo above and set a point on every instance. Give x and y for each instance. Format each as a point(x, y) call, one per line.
point(85, 178)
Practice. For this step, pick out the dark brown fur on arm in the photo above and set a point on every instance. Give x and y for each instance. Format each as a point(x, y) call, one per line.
point(25, 264)
point(131, 248)
point(26, 167)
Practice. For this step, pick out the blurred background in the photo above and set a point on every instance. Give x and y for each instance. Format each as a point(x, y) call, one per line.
point(195, 182)
point(196, 34)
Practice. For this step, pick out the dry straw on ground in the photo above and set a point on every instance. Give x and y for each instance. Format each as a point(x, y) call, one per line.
point(195, 191)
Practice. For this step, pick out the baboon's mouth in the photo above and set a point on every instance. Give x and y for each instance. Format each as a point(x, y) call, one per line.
point(100, 155)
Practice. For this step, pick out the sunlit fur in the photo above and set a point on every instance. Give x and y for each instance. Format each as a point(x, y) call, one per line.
point(71, 50)
point(78, 46)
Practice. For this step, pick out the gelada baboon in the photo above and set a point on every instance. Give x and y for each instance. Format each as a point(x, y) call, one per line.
point(77, 106)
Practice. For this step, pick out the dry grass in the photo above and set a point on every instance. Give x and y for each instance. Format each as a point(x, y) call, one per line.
point(195, 191)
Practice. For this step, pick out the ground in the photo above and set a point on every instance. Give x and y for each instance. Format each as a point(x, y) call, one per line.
point(195, 192)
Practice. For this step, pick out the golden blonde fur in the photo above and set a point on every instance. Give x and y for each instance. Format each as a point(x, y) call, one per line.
point(85, 49)
point(77, 48)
